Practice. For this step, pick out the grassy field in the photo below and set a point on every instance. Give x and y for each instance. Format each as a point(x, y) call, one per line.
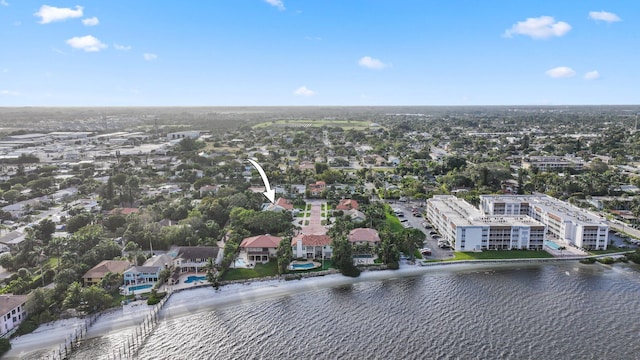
point(394, 223)
point(260, 270)
point(504, 254)
point(345, 124)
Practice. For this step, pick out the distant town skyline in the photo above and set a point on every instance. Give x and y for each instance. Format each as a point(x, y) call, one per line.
point(294, 53)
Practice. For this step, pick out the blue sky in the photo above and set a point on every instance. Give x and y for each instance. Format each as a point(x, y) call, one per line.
point(332, 52)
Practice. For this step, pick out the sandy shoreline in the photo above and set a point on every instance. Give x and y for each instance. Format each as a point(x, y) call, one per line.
point(49, 336)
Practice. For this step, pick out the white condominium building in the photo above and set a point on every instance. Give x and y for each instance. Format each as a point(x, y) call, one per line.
point(467, 229)
point(566, 224)
point(546, 163)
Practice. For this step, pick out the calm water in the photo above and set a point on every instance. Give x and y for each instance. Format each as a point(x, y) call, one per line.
point(539, 312)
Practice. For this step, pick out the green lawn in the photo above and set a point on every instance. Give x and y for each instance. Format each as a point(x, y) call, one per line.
point(394, 223)
point(260, 270)
point(504, 254)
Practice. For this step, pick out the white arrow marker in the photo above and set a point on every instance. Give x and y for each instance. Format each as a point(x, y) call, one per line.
point(269, 192)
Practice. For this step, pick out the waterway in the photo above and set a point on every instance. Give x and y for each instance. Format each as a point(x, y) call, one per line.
point(541, 311)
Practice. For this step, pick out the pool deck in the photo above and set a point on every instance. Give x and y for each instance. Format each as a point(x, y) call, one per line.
point(182, 285)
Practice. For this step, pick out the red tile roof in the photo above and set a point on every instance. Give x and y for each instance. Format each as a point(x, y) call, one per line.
point(347, 204)
point(261, 241)
point(312, 240)
point(124, 211)
point(363, 234)
point(284, 203)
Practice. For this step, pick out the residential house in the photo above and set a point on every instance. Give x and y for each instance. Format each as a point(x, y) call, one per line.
point(260, 248)
point(312, 246)
point(183, 134)
point(280, 205)
point(356, 215)
point(361, 236)
point(96, 273)
point(347, 204)
point(12, 312)
point(124, 211)
point(13, 238)
point(141, 275)
point(307, 165)
point(317, 188)
point(208, 189)
point(193, 258)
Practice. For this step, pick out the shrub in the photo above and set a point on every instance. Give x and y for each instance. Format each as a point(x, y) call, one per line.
point(607, 260)
point(5, 346)
point(26, 327)
point(351, 271)
point(588, 261)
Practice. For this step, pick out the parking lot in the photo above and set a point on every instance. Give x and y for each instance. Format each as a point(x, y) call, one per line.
point(416, 222)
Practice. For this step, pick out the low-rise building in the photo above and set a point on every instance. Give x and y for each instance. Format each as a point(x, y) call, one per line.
point(12, 312)
point(317, 188)
point(547, 163)
point(347, 204)
point(568, 224)
point(312, 246)
point(95, 274)
point(141, 275)
point(260, 248)
point(467, 229)
point(362, 236)
point(193, 258)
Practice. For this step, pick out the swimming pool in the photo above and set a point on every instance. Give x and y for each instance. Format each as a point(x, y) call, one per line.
point(304, 266)
point(140, 287)
point(193, 278)
point(553, 245)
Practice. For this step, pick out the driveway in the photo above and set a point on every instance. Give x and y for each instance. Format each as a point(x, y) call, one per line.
point(315, 221)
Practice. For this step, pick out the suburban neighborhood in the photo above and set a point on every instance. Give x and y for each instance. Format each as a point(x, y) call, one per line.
point(92, 219)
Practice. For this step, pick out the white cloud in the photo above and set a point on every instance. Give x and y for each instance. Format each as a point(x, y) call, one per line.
point(304, 91)
point(49, 14)
point(371, 63)
point(542, 27)
point(276, 3)
point(92, 21)
point(604, 16)
point(560, 72)
point(4, 3)
point(592, 75)
point(9, 93)
point(122, 47)
point(149, 56)
point(87, 43)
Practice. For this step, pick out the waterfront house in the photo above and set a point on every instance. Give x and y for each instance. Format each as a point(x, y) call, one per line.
point(141, 275)
point(259, 248)
point(312, 246)
point(193, 258)
point(362, 236)
point(12, 312)
point(96, 273)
